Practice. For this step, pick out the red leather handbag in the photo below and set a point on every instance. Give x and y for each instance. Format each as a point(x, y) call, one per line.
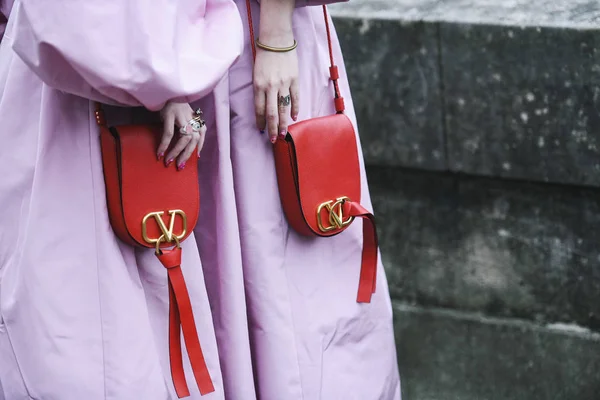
point(153, 206)
point(318, 175)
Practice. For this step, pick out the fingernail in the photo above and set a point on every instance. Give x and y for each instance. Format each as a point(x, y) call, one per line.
point(181, 166)
point(273, 140)
point(169, 161)
point(160, 156)
point(262, 132)
point(282, 132)
point(295, 117)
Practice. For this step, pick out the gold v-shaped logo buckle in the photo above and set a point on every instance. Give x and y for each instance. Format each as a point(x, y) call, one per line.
point(167, 235)
point(335, 215)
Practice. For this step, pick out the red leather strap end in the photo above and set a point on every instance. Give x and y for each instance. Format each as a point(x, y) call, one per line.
point(334, 73)
point(181, 317)
point(368, 270)
point(339, 105)
point(190, 333)
point(175, 352)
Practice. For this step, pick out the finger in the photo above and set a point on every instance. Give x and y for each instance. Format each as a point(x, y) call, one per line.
point(168, 131)
point(201, 140)
point(182, 142)
point(295, 94)
point(179, 147)
point(260, 99)
point(283, 107)
point(272, 115)
point(188, 151)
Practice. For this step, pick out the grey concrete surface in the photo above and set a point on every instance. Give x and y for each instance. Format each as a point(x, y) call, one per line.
point(553, 13)
point(447, 355)
point(396, 91)
point(523, 103)
point(520, 96)
point(498, 247)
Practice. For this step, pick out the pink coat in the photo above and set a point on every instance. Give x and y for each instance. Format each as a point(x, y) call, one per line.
point(84, 316)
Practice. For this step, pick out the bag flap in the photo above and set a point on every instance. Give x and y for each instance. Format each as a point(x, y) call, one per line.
point(327, 168)
point(151, 192)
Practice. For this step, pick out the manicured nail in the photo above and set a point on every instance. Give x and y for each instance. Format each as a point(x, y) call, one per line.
point(295, 117)
point(161, 155)
point(273, 140)
point(181, 166)
point(262, 132)
point(282, 133)
point(169, 161)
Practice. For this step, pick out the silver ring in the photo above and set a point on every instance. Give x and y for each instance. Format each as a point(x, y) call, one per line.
point(285, 101)
point(196, 125)
point(198, 117)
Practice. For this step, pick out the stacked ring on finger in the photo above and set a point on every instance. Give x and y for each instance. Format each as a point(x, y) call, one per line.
point(195, 124)
point(198, 118)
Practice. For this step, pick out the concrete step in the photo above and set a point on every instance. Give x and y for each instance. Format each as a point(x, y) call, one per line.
point(500, 247)
point(485, 87)
point(550, 13)
point(447, 355)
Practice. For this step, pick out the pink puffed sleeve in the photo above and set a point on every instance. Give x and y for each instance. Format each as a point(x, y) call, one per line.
point(129, 52)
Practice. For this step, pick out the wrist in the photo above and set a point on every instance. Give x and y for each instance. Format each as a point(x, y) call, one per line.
point(275, 28)
point(276, 40)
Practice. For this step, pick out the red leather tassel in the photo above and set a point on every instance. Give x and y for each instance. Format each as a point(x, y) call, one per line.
point(181, 316)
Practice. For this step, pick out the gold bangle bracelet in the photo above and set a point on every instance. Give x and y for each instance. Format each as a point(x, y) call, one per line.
point(276, 49)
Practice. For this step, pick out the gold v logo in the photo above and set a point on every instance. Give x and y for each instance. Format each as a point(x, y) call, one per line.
point(335, 215)
point(167, 235)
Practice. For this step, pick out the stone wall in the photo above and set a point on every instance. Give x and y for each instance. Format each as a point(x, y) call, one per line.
point(480, 124)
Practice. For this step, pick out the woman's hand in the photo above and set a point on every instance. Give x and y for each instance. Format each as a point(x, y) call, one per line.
point(178, 116)
point(276, 74)
point(275, 90)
